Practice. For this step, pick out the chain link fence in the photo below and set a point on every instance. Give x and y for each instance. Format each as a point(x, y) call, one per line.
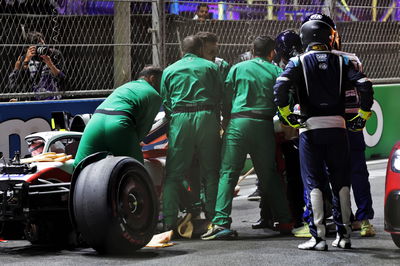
point(104, 43)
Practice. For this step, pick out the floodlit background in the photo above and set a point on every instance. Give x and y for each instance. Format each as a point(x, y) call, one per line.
point(104, 43)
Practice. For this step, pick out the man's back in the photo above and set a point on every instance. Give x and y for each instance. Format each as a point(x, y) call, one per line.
point(137, 98)
point(191, 81)
point(250, 86)
point(323, 76)
point(132, 97)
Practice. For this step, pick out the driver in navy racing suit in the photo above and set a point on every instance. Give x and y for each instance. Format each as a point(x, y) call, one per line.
point(320, 77)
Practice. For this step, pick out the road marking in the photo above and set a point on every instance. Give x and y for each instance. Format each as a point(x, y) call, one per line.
point(377, 161)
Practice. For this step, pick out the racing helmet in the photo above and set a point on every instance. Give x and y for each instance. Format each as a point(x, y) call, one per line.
point(287, 45)
point(321, 17)
point(318, 29)
point(35, 146)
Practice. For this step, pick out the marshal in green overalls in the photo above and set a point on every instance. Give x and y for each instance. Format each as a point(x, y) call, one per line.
point(191, 89)
point(121, 122)
point(249, 93)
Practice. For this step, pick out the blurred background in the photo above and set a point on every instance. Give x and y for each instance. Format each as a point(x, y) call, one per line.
point(104, 43)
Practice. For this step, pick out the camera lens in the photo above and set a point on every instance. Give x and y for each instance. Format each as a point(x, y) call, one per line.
point(42, 50)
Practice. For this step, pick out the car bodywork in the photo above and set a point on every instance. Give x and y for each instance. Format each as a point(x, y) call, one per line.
point(35, 195)
point(392, 195)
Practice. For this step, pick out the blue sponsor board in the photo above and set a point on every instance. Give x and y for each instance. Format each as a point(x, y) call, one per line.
point(19, 119)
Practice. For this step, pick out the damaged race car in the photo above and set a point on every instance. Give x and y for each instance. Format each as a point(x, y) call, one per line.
point(107, 202)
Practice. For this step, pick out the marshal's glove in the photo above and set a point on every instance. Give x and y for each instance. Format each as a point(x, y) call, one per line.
point(357, 123)
point(293, 120)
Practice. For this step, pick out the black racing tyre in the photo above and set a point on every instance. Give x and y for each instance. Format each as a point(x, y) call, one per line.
point(396, 239)
point(115, 206)
point(79, 122)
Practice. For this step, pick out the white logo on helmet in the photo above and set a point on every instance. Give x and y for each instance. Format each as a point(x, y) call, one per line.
point(316, 16)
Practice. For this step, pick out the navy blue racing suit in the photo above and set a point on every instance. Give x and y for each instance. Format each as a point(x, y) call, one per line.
point(359, 172)
point(320, 78)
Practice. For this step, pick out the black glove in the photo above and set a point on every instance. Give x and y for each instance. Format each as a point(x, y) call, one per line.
point(357, 123)
point(296, 119)
point(293, 120)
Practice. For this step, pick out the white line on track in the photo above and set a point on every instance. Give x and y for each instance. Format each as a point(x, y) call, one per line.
point(377, 161)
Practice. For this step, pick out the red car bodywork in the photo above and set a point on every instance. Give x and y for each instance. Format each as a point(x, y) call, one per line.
point(392, 195)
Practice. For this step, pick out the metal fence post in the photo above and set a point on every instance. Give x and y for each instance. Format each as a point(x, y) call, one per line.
point(122, 40)
point(158, 32)
point(331, 6)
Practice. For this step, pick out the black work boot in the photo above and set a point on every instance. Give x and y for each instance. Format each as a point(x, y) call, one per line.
point(263, 223)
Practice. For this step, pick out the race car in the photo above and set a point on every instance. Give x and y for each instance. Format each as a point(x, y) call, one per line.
point(392, 195)
point(107, 202)
point(26, 187)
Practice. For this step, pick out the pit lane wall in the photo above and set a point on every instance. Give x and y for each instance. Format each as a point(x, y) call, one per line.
point(19, 119)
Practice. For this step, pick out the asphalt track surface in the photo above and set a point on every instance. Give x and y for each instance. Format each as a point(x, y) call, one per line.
point(254, 247)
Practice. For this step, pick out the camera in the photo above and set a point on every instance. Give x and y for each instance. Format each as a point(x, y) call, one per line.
point(42, 50)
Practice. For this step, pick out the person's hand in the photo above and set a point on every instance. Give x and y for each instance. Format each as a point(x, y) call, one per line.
point(31, 52)
point(293, 120)
point(357, 123)
point(18, 63)
point(46, 59)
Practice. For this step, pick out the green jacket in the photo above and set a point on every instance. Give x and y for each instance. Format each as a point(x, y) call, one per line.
point(249, 87)
point(190, 81)
point(139, 99)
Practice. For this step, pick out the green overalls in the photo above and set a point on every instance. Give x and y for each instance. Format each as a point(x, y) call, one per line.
point(121, 122)
point(194, 179)
point(191, 89)
point(249, 98)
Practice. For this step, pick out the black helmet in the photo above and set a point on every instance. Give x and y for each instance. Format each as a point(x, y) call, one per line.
point(287, 45)
point(321, 17)
point(318, 29)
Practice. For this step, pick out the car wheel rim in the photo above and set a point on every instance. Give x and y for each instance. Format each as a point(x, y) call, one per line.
point(134, 202)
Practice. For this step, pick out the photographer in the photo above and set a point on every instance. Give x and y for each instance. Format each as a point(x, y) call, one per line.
point(38, 70)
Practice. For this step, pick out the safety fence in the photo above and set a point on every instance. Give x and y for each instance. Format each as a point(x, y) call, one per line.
point(104, 43)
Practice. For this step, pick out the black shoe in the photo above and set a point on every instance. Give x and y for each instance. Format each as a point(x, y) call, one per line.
point(263, 223)
point(255, 196)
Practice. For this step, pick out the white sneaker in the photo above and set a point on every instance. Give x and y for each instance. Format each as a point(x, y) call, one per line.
point(314, 244)
point(342, 242)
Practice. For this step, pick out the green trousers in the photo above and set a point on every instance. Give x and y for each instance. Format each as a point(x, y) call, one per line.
point(255, 137)
point(113, 133)
point(189, 134)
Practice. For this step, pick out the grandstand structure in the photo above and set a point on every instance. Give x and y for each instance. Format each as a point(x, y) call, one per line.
point(104, 42)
